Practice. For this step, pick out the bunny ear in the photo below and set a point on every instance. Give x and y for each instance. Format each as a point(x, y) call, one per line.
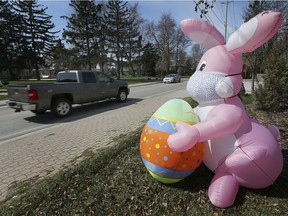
point(254, 33)
point(202, 32)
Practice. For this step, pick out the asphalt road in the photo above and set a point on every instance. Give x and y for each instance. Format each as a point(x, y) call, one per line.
point(13, 124)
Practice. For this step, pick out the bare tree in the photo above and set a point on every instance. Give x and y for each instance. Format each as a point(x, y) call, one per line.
point(165, 35)
point(181, 43)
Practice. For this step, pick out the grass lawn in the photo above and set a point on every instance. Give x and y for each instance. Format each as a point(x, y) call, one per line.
point(128, 79)
point(142, 79)
point(114, 181)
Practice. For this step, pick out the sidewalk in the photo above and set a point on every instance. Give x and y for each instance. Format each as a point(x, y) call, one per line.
point(47, 151)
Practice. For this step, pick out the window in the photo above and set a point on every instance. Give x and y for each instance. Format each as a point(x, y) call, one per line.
point(67, 77)
point(88, 77)
point(103, 78)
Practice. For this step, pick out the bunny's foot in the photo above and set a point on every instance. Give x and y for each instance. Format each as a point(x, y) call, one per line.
point(223, 190)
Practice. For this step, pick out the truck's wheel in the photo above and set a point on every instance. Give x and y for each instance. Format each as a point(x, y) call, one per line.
point(61, 107)
point(122, 95)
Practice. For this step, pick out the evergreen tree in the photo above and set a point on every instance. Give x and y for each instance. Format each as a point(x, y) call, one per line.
point(271, 60)
point(117, 19)
point(61, 58)
point(82, 30)
point(10, 38)
point(134, 39)
point(149, 60)
point(37, 33)
point(273, 95)
point(189, 68)
point(102, 43)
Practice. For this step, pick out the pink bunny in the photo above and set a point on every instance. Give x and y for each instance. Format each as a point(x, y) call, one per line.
point(239, 150)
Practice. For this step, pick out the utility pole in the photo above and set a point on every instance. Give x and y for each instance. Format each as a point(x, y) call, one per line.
point(226, 22)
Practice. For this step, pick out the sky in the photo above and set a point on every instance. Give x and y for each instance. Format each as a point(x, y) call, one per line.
point(152, 10)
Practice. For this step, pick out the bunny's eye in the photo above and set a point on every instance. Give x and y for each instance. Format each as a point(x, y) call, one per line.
point(202, 66)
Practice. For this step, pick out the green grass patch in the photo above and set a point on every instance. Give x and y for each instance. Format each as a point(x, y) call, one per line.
point(142, 79)
point(3, 97)
point(114, 181)
point(247, 99)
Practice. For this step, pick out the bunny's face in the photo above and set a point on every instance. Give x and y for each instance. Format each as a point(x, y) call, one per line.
point(218, 75)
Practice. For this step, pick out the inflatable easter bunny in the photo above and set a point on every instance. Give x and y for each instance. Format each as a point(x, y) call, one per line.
point(238, 149)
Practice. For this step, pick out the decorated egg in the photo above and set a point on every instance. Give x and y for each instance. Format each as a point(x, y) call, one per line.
point(164, 164)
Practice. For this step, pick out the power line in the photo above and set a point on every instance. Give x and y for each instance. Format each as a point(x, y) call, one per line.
point(203, 13)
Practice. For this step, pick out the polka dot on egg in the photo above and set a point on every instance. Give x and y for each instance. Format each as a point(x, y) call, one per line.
point(154, 148)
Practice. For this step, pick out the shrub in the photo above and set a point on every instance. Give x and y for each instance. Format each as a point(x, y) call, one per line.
point(273, 95)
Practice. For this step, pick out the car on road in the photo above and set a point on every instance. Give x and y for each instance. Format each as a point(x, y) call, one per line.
point(172, 78)
point(71, 87)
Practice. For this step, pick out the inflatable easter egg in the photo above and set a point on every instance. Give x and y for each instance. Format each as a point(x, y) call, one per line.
point(164, 164)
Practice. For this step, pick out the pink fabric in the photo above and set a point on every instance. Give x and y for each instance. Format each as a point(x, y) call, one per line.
point(267, 26)
point(203, 32)
point(239, 150)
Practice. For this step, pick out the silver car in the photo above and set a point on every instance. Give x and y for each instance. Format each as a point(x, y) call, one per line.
point(171, 78)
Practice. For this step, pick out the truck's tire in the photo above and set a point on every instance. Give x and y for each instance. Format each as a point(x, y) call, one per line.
point(61, 107)
point(122, 95)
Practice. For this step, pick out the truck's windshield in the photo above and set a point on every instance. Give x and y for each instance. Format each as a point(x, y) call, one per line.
point(66, 77)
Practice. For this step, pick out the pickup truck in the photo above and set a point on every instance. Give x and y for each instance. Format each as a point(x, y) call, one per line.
point(71, 87)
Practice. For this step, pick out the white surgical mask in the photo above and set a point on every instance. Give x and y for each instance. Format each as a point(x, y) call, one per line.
point(202, 85)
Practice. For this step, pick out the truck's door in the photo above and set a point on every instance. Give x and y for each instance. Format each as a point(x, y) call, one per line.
point(107, 88)
point(91, 88)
